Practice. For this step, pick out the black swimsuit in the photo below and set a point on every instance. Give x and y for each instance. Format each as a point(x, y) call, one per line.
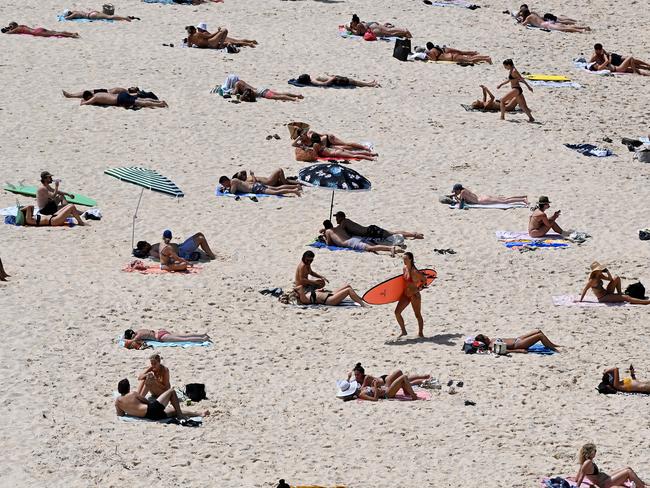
point(518, 88)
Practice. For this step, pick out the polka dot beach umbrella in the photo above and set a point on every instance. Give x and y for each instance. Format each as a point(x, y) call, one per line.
point(332, 176)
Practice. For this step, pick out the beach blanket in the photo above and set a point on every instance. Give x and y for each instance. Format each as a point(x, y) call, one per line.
point(294, 82)
point(521, 239)
point(504, 235)
point(572, 301)
point(128, 418)
point(583, 64)
point(452, 3)
point(155, 269)
point(183, 344)
point(61, 18)
point(469, 108)
point(555, 84)
point(346, 34)
point(322, 245)
point(218, 192)
point(502, 206)
point(539, 348)
point(546, 483)
point(590, 150)
point(400, 396)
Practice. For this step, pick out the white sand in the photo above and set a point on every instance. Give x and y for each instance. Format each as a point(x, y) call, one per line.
point(270, 376)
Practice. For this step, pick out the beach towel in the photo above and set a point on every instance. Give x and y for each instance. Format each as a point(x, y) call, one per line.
point(169, 2)
point(322, 245)
point(502, 206)
point(220, 193)
point(183, 344)
point(572, 301)
point(555, 84)
point(61, 18)
point(590, 150)
point(583, 64)
point(469, 108)
point(155, 269)
point(11, 220)
point(504, 235)
point(400, 396)
point(546, 483)
point(539, 348)
point(521, 239)
point(452, 3)
point(346, 34)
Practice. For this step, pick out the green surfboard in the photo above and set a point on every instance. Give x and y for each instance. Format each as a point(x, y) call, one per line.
point(30, 191)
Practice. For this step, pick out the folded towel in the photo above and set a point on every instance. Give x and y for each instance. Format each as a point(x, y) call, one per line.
point(572, 301)
point(590, 150)
point(61, 18)
point(322, 245)
point(539, 348)
point(220, 193)
point(503, 206)
point(155, 269)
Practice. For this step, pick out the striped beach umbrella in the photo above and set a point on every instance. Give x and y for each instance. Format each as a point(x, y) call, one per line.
point(333, 176)
point(148, 179)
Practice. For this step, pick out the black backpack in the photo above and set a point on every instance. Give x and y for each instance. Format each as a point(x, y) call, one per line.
point(402, 49)
point(195, 392)
point(644, 235)
point(636, 290)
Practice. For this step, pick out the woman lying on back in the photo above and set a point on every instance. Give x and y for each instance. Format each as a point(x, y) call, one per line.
point(611, 379)
point(521, 343)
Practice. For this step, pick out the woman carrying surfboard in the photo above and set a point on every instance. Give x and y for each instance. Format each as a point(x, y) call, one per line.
point(415, 281)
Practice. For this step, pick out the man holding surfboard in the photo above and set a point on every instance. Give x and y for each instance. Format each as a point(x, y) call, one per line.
point(49, 199)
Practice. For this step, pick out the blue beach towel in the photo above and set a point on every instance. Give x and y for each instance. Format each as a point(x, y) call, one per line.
point(183, 344)
point(346, 34)
point(531, 243)
point(322, 245)
point(62, 18)
point(590, 150)
point(539, 348)
point(167, 2)
point(220, 193)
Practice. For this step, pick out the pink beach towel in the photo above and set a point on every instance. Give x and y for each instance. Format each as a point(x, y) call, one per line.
point(138, 266)
point(571, 301)
point(422, 395)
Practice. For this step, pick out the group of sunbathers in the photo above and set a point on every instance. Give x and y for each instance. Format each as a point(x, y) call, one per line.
point(374, 388)
point(175, 257)
point(548, 21)
point(248, 182)
point(311, 146)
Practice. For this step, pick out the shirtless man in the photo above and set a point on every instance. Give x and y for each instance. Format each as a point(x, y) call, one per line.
point(154, 379)
point(277, 178)
point(602, 60)
point(539, 224)
point(133, 404)
point(310, 148)
point(465, 195)
point(49, 199)
point(132, 90)
point(304, 271)
point(372, 231)
point(216, 40)
point(336, 236)
point(187, 250)
point(235, 186)
point(123, 99)
point(169, 259)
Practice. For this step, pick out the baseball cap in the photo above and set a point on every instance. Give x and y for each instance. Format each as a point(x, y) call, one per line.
point(167, 234)
point(339, 214)
point(45, 174)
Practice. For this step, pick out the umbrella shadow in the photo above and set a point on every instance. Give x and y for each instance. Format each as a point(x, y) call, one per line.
point(441, 339)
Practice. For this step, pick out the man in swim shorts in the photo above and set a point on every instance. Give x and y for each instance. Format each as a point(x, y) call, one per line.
point(133, 404)
point(155, 379)
point(336, 236)
point(235, 186)
point(123, 99)
point(372, 231)
point(187, 250)
point(49, 199)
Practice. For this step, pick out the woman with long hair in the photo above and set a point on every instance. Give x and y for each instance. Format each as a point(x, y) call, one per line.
point(516, 93)
point(611, 293)
point(589, 471)
point(415, 280)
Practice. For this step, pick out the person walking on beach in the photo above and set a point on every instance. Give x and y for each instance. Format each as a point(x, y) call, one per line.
point(415, 281)
point(515, 79)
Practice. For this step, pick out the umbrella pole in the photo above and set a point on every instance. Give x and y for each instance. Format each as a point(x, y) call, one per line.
point(135, 216)
point(332, 205)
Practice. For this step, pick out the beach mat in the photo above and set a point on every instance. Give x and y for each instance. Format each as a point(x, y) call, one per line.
point(219, 193)
point(555, 84)
point(183, 344)
point(155, 269)
point(61, 18)
point(521, 239)
point(400, 396)
point(452, 3)
point(590, 150)
point(545, 483)
point(571, 301)
point(128, 418)
point(322, 245)
point(539, 348)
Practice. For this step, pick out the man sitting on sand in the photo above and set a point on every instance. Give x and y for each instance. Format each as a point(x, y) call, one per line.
point(154, 379)
point(304, 271)
point(187, 250)
point(372, 231)
point(48, 199)
point(336, 236)
point(465, 195)
point(123, 99)
point(133, 404)
point(539, 224)
point(235, 186)
point(276, 179)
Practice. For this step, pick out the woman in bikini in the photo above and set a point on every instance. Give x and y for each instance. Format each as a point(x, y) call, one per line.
point(142, 335)
point(547, 23)
point(380, 30)
point(14, 28)
point(310, 148)
point(94, 15)
point(394, 382)
point(516, 92)
point(519, 344)
point(415, 281)
point(492, 105)
point(611, 379)
point(364, 379)
point(57, 219)
point(590, 472)
point(437, 53)
point(248, 93)
point(322, 297)
point(610, 294)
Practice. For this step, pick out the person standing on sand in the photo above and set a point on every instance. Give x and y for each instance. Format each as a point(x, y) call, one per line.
point(516, 93)
point(465, 195)
point(415, 281)
point(539, 224)
point(154, 379)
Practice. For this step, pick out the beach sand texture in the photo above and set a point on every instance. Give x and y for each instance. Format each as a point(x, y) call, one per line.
point(270, 376)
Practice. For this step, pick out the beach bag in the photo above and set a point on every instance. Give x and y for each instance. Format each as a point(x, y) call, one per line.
point(643, 154)
point(295, 128)
point(108, 9)
point(20, 216)
point(636, 290)
point(195, 391)
point(402, 49)
point(644, 234)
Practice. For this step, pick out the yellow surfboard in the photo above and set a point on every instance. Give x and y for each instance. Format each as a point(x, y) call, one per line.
point(539, 77)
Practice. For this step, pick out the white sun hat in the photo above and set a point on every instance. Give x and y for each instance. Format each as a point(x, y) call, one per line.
point(202, 26)
point(346, 388)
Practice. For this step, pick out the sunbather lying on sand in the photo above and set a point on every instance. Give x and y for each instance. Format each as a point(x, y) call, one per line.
point(94, 15)
point(371, 231)
point(610, 294)
point(277, 178)
point(331, 141)
point(519, 344)
point(492, 104)
point(154, 379)
point(58, 218)
point(537, 21)
point(189, 249)
point(334, 81)
point(524, 12)
point(131, 403)
point(248, 93)
point(336, 236)
point(235, 186)
point(162, 336)
point(167, 253)
point(380, 30)
point(123, 99)
point(378, 391)
point(316, 148)
point(465, 195)
point(589, 471)
point(216, 40)
point(14, 28)
point(134, 91)
point(612, 382)
point(3, 273)
point(437, 53)
point(364, 379)
point(539, 224)
point(615, 63)
point(326, 297)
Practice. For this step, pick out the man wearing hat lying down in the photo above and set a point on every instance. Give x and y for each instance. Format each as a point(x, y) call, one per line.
point(465, 195)
point(336, 236)
point(539, 224)
point(372, 231)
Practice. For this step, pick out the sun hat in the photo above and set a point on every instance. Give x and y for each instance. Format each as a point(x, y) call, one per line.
point(346, 388)
point(543, 200)
point(45, 174)
point(457, 187)
point(596, 266)
point(167, 234)
point(202, 26)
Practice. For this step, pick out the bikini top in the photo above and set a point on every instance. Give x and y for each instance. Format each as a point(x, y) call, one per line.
point(595, 469)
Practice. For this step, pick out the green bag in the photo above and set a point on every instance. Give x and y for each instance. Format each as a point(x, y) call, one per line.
point(20, 216)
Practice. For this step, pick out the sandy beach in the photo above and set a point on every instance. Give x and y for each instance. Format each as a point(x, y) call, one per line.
point(270, 374)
